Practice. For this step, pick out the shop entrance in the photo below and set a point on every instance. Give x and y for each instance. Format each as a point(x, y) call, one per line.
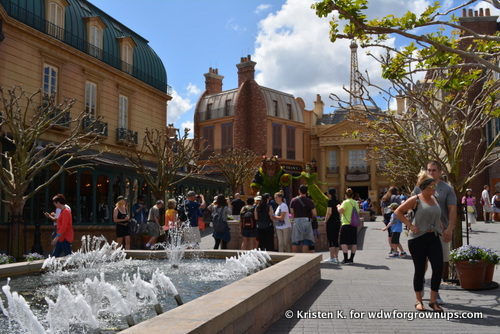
point(362, 191)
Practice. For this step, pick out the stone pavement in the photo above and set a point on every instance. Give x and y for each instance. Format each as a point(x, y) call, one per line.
point(381, 286)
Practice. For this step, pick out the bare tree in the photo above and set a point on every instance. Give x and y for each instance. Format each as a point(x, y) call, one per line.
point(237, 165)
point(174, 157)
point(25, 124)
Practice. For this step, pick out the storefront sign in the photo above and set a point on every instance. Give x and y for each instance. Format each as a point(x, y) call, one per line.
point(357, 177)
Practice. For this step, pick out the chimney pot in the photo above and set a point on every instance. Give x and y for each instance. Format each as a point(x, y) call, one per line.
point(471, 12)
point(475, 13)
point(488, 12)
point(481, 12)
point(464, 12)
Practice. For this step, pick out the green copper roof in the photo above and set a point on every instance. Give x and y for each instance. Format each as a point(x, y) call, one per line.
point(147, 66)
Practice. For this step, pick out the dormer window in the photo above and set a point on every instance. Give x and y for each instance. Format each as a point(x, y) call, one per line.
point(55, 17)
point(95, 27)
point(127, 46)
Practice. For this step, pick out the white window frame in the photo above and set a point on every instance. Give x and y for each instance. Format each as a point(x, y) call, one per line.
point(50, 79)
point(91, 99)
point(357, 159)
point(333, 159)
point(123, 112)
point(95, 41)
point(127, 58)
point(56, 20)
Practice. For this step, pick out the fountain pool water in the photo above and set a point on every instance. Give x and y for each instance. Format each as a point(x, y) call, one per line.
point(109, 295)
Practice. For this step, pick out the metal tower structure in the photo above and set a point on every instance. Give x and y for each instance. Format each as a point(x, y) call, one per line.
point(355, 89)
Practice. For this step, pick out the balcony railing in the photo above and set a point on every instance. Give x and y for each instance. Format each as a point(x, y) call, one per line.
point(332, 170)
point(62, 121)
point(357, 170)
point(216, 113)
point(97, 127)
point(126, 136)
point(40, 24)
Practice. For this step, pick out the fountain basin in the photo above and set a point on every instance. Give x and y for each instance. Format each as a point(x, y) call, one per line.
point(250, 305)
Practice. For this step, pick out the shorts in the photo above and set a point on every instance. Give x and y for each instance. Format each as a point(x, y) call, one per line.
point(446, 249)
point(303, 243)
point(302, 230)
point(395, 237)
point(153, 229)
point(122, 230)
point(249, 232)
point(487, 208)
point(348, 235)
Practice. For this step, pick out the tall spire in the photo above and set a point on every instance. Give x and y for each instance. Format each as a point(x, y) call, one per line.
point(355, 84)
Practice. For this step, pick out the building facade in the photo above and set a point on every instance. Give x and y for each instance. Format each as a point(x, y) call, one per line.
point(72, 49)
point(264, 120)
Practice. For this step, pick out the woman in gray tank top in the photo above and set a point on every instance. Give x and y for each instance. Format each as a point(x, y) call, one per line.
point(423, 240)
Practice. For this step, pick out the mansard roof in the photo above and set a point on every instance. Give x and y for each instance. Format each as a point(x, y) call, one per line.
point(147, 66)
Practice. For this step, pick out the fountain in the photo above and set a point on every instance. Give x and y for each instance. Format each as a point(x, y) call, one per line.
point(263, 295)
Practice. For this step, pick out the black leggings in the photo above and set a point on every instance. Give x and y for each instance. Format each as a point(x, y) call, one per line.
point(266, 238)
point(427, 246)
point(218, 242)
point(332, 233)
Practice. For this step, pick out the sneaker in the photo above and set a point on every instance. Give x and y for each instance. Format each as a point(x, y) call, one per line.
point(403, 254)
point(327, 261)
point(391, 252)
point(345, 262)
point(394, 255)
point(350, 261)
point(439, 300)
point(334, 260)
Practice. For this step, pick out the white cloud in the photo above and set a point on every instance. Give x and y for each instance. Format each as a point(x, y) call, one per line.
point(231, 24)
point(188, 125)
point(192, 89)
point(177, 107)
point(294, 54)
point(262, 8)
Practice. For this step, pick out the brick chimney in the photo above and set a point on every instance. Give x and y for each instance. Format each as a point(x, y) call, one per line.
point(479, 21)
point(246, 70)
point(213, 81)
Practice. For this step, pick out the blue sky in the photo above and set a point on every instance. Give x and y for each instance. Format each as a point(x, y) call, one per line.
point(287, 40)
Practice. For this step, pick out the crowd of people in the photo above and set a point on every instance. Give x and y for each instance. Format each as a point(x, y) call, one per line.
point(428, 217)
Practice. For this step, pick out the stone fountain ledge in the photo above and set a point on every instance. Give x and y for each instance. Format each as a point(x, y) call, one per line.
point(249, 305)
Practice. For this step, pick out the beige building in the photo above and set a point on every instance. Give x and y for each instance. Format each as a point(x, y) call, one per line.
point(343, 161)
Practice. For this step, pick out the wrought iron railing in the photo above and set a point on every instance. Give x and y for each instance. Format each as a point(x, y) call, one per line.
point(357, 169)
point(77, 42)
point(97, 127)
point(332, 170)
point(126, 136)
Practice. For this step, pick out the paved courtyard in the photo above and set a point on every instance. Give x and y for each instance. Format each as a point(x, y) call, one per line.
point(375, 295)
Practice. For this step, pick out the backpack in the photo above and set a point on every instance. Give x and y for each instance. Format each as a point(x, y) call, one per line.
point(355, 220)
point(247, 218)
point(217, 221)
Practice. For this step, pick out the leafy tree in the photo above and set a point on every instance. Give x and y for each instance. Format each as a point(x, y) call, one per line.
point(445, 81)
point(175, 158)
point(25, 126)
point(237, 165)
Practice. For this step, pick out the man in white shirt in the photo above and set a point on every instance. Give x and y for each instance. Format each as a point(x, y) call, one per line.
point(486, 203)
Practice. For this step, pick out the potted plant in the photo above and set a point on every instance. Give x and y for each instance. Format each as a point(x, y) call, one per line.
point(470, 266)
point(492, 259)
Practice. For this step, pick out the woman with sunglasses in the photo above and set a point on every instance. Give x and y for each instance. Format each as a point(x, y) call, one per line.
point(423, 240)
